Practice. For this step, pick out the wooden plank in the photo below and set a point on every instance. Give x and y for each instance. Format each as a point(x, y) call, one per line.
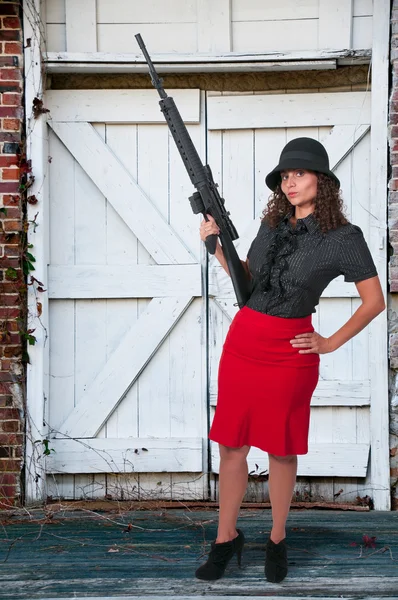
point(118, 106)
point(327, 392)
point(55, 11)
point(285, 110)
point(214, 26)
point(342, 140)
point(117, 185)
point(37, 368)
point(151, 11)
point(81, 25)
point(58, 61)
point(159, 37)
point(257, 10)
point(362, 32)
point(56, 37)
point(345, 460)
point(122, 281)
point(335, 24)
point(131, 455)
point(268, 36)
point(378, 367)
point(122, 369)
point(363, 8)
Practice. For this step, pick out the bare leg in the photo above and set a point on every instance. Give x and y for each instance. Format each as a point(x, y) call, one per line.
point(282, 478)
point(232, 487)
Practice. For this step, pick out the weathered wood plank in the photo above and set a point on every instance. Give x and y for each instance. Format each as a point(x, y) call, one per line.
point(322, 460)
point(270, 111)
point(335, 24)
point(81, 26)
point(125, 195)
point(122, 281)
point(132, 455)
point(118, 106)
point(134, 352)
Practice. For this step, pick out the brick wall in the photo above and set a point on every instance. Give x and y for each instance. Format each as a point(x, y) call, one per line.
point(12, 287)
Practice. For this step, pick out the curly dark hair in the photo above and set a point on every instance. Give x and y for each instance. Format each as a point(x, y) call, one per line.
point(329, 208)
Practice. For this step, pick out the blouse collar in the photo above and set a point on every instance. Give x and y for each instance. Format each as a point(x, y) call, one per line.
point(308, 223)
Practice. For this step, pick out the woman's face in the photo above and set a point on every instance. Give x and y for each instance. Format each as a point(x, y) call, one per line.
point(300, 187)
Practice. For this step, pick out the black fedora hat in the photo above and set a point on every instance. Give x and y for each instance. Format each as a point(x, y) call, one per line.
point(301, 153)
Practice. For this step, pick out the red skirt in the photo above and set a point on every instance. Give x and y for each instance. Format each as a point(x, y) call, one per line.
point(264, 385)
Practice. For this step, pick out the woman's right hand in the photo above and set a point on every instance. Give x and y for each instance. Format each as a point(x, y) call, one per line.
point(207, 228)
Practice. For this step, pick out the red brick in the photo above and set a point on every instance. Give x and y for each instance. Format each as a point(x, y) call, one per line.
point(11, 23)
point(10, 35)
point(8, 491)
point(9, 413)
point(11, 124)
point(10, 74)
point(8, 479)
point(8, 299)
point(13, 426)
point(10, 225)
point(12, 47)
point(13, 212)
point(10, 466)
point(5, 365)
point(393, 185)
point(10, 111)
point(9, 313)
point(10, 99)
point(7, 160)
point(13, 200)
point(8, 352)
point(9, 188)
point(9, 8)
point(10, 174)
point(12, 251)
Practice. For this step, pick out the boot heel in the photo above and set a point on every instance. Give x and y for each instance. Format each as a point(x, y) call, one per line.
point(239, 557)
point(219, 557)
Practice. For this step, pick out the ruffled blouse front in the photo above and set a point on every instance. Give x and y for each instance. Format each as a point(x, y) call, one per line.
point(291, 266)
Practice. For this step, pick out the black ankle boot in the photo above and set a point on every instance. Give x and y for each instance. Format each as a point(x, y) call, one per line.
point(219, 557)
point(276, 561)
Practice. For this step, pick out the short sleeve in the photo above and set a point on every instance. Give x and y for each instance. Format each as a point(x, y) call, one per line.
point(356, 263)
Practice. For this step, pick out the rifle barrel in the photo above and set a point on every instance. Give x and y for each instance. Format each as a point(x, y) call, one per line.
point(157, 82)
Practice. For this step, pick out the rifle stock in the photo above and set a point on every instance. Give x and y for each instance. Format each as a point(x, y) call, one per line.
point(207, 199)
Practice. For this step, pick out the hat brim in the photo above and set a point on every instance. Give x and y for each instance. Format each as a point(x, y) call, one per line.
point(274, 177)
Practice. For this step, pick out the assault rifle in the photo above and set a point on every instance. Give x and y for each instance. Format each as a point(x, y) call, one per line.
point(206, 199)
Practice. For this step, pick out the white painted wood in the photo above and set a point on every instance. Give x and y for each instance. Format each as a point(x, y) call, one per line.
point(363, 8)
point(287, 110)
point(268, 36)
point(174, 38)
point(55, 11)
point(122, 191)
point(335, 24)
point(125, 455)
point(132, 355)
point(322, 459)
point(151, 11)
point(118, 106)
point(81, 25)
point(214, 26)
point(362, 32)
point(56, 37)
point(117, 281)
point(342, 139)
point(379, 580)
point(96, 62)
point(257, 10)
point(37, 152)
point(378, 367)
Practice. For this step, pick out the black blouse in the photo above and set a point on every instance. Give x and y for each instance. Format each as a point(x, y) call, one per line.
point(291, 266)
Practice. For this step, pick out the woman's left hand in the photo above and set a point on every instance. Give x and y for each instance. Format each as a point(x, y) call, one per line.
point(311, 343)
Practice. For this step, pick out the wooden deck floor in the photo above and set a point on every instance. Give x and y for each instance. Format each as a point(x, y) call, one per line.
point(153, 555)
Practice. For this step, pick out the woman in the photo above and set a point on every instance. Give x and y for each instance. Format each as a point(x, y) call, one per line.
point(270, 362)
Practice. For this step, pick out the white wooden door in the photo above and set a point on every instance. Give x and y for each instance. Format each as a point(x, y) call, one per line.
point(126, 412)
point(246, 135)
